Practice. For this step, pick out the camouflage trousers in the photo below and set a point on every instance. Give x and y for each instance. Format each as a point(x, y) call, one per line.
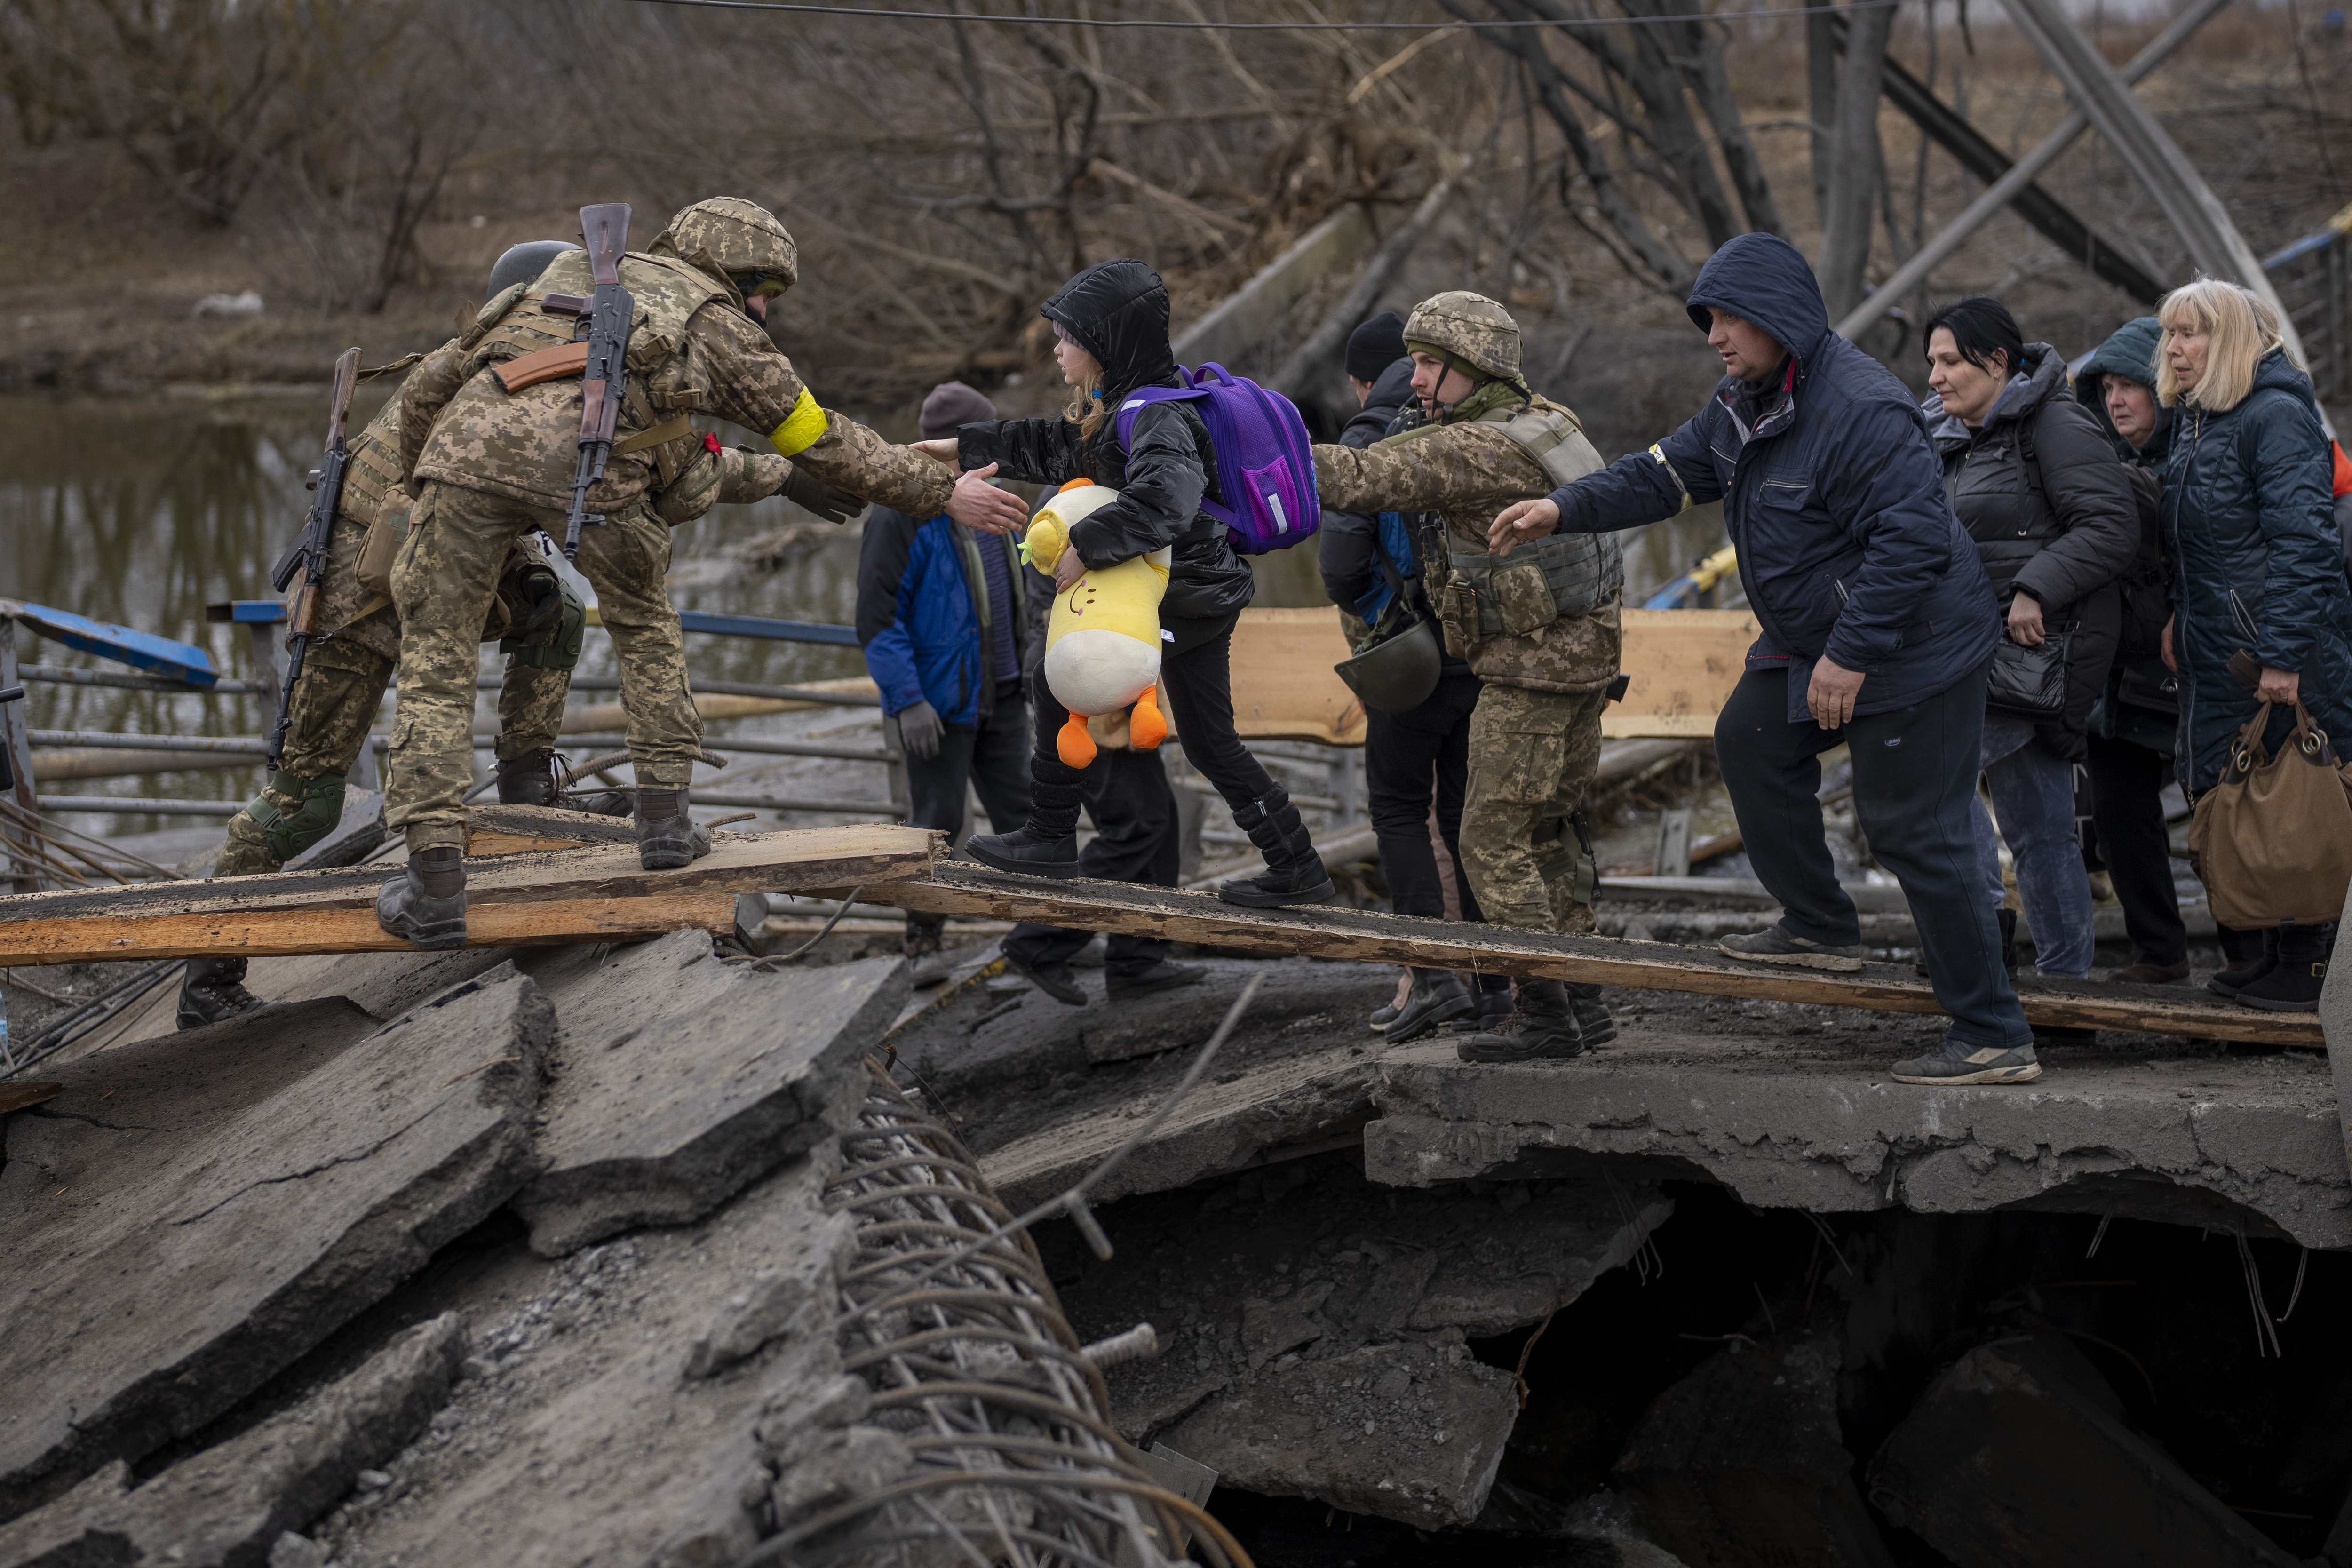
point(441, 587)
point(334, 704)
point(1532, 756)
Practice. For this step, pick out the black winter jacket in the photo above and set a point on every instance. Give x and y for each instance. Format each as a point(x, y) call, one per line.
point(1118, 311)
point(2060, 525)
point(2138, 680)
point(1831, 492)
point(1347, 545)
point(2249, 521)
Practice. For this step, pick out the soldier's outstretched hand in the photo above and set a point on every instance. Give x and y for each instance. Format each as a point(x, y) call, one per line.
point(1521, 522)
point(976, 503)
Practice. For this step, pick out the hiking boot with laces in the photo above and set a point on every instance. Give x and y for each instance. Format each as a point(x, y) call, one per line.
point(529, 779)
point(666, 836)
point(1779, 945)
point(1593, 1015)
point(1541, 1027)
point(214, 989)
point(1492, 1010)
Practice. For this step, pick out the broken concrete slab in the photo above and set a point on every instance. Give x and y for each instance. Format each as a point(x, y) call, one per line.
point(678, 1079)
point(1771, 1101)
point(382, 984)
point(1253, 1281)
point(264, 1180)
point(1269, 1111)
point(1408, 1432)
point(2020, 1453)
point(226, 1507)
point(1742, 1464)
point(585, 1438)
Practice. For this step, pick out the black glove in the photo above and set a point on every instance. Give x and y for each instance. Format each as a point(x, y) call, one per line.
point(804, 489)
point(919, 731)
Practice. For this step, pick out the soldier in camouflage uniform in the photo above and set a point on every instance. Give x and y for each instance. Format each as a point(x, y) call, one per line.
point(487, 465)
point(534, 619)
point(1540, 630)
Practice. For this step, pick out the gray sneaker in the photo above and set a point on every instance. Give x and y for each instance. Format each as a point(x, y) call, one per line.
point(1780, 945)
point(1956, 1062)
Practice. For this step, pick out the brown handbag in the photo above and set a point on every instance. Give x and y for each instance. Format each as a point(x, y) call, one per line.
point(2272, 840)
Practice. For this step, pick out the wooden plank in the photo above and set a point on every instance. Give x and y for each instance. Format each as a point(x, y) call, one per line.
point(788, 861)
point(526, 830)
point(1285, 687)
point(1368, 937)
point(603, 716)
point(1683, 663)
point(264, 934)
point(17, 1096)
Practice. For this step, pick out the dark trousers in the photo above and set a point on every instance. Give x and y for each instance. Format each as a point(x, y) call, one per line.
point(993, 757)
point(1196, 686)
point(2128, 831)
point(1134, 814)
point(1915, 774)
point(1410, 760)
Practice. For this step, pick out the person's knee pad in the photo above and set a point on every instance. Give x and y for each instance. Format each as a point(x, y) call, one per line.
point(559, 647)
point(295, 813)
point(247, 853)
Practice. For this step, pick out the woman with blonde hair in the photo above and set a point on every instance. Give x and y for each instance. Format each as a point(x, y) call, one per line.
point(2261, 607)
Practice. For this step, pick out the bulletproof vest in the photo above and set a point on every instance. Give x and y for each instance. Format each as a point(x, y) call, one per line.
point(668, 382)
point(1557, 577)
point(373, 471)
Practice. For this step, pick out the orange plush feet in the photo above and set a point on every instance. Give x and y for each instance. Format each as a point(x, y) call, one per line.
point(1073, 745)
point(1148, 727)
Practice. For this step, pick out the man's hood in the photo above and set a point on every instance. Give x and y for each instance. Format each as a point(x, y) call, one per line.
point(2130, 352)
point(1762, 278)
point(1393, 390)
point(1117, 311)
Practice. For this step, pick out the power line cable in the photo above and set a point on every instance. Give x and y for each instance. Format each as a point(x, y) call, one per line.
point(798, 7)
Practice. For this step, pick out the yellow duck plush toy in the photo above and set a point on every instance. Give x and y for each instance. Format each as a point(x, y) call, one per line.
point(1102, 640)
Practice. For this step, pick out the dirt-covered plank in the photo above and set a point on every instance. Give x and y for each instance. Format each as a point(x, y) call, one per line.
point(789, 862)
point(1369, 937)
point(282, 932)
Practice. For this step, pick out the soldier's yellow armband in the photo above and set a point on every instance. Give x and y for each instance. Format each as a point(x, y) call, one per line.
point(801, 428)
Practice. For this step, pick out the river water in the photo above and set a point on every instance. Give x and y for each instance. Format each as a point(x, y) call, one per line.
point(143, 512)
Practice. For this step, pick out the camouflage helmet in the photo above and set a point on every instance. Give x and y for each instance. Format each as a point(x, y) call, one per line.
point(1468, 327)
point(730, 237)
point(521, 263)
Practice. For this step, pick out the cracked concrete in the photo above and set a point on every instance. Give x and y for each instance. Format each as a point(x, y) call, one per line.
point(1790, 1110)
point(260, 1181)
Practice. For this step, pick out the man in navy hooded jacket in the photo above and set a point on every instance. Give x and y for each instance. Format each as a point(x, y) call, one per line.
point(1878, 626)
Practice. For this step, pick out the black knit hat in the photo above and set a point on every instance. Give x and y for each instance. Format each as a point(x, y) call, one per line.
point(1376, 345)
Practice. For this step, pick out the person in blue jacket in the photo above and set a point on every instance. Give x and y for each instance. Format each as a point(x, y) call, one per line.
point(941, 616)
point(1878, 626)
point(2258, 585)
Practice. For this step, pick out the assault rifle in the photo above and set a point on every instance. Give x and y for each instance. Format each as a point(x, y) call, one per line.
point(605, 228)
point(307, 556)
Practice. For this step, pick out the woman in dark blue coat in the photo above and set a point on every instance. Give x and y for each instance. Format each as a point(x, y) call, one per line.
point(2249, 520)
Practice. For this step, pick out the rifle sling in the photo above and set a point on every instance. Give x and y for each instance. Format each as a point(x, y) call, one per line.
point(546, 365)
point(668, 430)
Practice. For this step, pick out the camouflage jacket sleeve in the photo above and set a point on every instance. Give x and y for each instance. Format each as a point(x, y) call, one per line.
point(428, 391)
point(1431, 469)
point(754, 384)
point(746, 476)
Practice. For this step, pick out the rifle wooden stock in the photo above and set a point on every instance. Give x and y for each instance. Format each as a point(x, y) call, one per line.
point(339, 409)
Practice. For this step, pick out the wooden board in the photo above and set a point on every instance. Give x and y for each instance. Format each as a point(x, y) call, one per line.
point(789, 862)
point(599, 717)
point(1285, 687)
point(1683, 663)
point(1371, 938)
point(262, 934)
point(17, 1096)
point(525, 829)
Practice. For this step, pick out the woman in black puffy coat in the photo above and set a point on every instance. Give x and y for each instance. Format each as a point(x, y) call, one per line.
point(2249, 521)
point(1112, 321)
point(2054, 520)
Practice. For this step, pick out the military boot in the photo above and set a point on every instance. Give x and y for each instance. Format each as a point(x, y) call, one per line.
point(1593, 1015)
point(527, 780)
point(1541, 1027)
point(214, 989)
point(666, 836)
point(1493, 1010)
point(1047, 844)
point(1293, 872)
point(425, 906)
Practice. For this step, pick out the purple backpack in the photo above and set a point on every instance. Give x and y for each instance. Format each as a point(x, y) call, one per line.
point(1264, 468)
